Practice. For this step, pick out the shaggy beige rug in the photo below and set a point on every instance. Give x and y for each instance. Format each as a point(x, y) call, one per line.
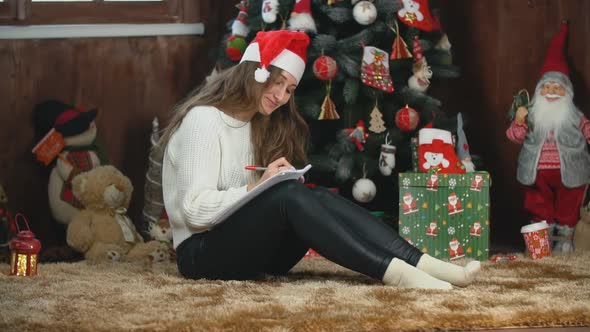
point(316, 296)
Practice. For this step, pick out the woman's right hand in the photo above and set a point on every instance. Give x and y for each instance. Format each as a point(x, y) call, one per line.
point(273, 168)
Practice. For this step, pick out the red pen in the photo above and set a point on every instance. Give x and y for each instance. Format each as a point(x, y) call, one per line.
point(255, 168)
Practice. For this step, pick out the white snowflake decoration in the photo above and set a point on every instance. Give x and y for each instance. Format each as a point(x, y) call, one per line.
point(406, 230)
point(451, 230)
point(406, 182)
point(452, 183)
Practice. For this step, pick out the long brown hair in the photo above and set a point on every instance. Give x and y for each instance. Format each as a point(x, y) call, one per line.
point(234, 90)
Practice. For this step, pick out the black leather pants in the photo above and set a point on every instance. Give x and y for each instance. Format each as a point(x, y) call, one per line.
point(271, 233)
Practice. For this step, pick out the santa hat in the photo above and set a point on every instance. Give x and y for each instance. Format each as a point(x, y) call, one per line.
point(555, 59)
point(68, 120)
point(453, 195)
point(281, 48)
point(301, 18)
point(361, 123)
point(429, 135)
point(407, 195)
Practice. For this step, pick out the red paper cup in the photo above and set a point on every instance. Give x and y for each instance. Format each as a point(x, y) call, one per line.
point(536, 238)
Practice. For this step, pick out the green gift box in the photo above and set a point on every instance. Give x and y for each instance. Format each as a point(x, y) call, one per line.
point(446, 215)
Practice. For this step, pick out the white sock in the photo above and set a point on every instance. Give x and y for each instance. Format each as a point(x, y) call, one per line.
point(404, 275)
point(455, 274)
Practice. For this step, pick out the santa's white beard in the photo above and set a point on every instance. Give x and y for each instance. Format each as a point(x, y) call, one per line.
point(550, 116)
point(302, 22)
point(415, 84)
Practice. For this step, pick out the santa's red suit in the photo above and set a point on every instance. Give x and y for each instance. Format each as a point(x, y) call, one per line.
point(432, 183)
point(455, 249)
point(409, 204)
point(432, 229)
point(454, 205)
point(477, 183)
point(476, 229)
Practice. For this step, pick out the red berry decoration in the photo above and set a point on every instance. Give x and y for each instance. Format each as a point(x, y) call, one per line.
point(407, 118)
point(325, 68)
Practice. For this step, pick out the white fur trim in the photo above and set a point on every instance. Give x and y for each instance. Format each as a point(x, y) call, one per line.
point(286, 60)
point(240, 29)
point(426, 135)
point(302, 22)
point(537, 226)
point(261, 75)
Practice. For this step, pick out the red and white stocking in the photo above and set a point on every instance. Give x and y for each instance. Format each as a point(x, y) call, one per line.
point(437, 153)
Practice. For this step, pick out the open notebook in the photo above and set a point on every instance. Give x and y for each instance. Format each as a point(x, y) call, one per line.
point(279, 177)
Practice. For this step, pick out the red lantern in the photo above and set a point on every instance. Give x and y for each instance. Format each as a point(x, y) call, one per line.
point(407, 118)
point(24, 250)
point(325, 68)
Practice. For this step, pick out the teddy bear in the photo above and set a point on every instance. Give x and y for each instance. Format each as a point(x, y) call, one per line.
point(102, 231)
point(411, 8)
point(77, 127)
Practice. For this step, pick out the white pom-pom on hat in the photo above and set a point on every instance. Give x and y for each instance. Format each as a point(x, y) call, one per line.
point(261, 75)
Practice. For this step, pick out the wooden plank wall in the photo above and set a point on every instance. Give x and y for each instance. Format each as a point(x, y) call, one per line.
point(130, 80)
point(499, 45)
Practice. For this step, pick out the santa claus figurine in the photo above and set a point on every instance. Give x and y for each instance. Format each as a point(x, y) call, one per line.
point(554, 163)
point(409, 204)
point(477, 182)
point(420, 81)
point(358, 135)
point(432, 229)
point(454, 204)
point(476, 229)
point(455, 249)
point(432, 183)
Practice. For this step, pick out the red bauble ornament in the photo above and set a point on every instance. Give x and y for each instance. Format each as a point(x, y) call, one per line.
point(325, 68)
point(407, 118)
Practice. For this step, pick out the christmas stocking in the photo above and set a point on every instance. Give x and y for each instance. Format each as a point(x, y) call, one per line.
point(387, 159)
point(415, 13)
point(270, 9)
point(236, 43)
point(436, 152)
point(375, 69)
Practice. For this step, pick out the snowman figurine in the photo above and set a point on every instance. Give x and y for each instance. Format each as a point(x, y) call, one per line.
point(80, 154)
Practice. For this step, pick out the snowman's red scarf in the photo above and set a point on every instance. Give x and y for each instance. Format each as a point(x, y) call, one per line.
point(82, 162)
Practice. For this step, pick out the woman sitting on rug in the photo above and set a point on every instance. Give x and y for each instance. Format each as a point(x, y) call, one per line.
point(246, 115)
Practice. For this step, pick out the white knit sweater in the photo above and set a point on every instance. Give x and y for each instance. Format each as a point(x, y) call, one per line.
point(203, 170)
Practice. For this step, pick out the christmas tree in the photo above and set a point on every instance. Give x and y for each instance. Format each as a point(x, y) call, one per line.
point(368, 63)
